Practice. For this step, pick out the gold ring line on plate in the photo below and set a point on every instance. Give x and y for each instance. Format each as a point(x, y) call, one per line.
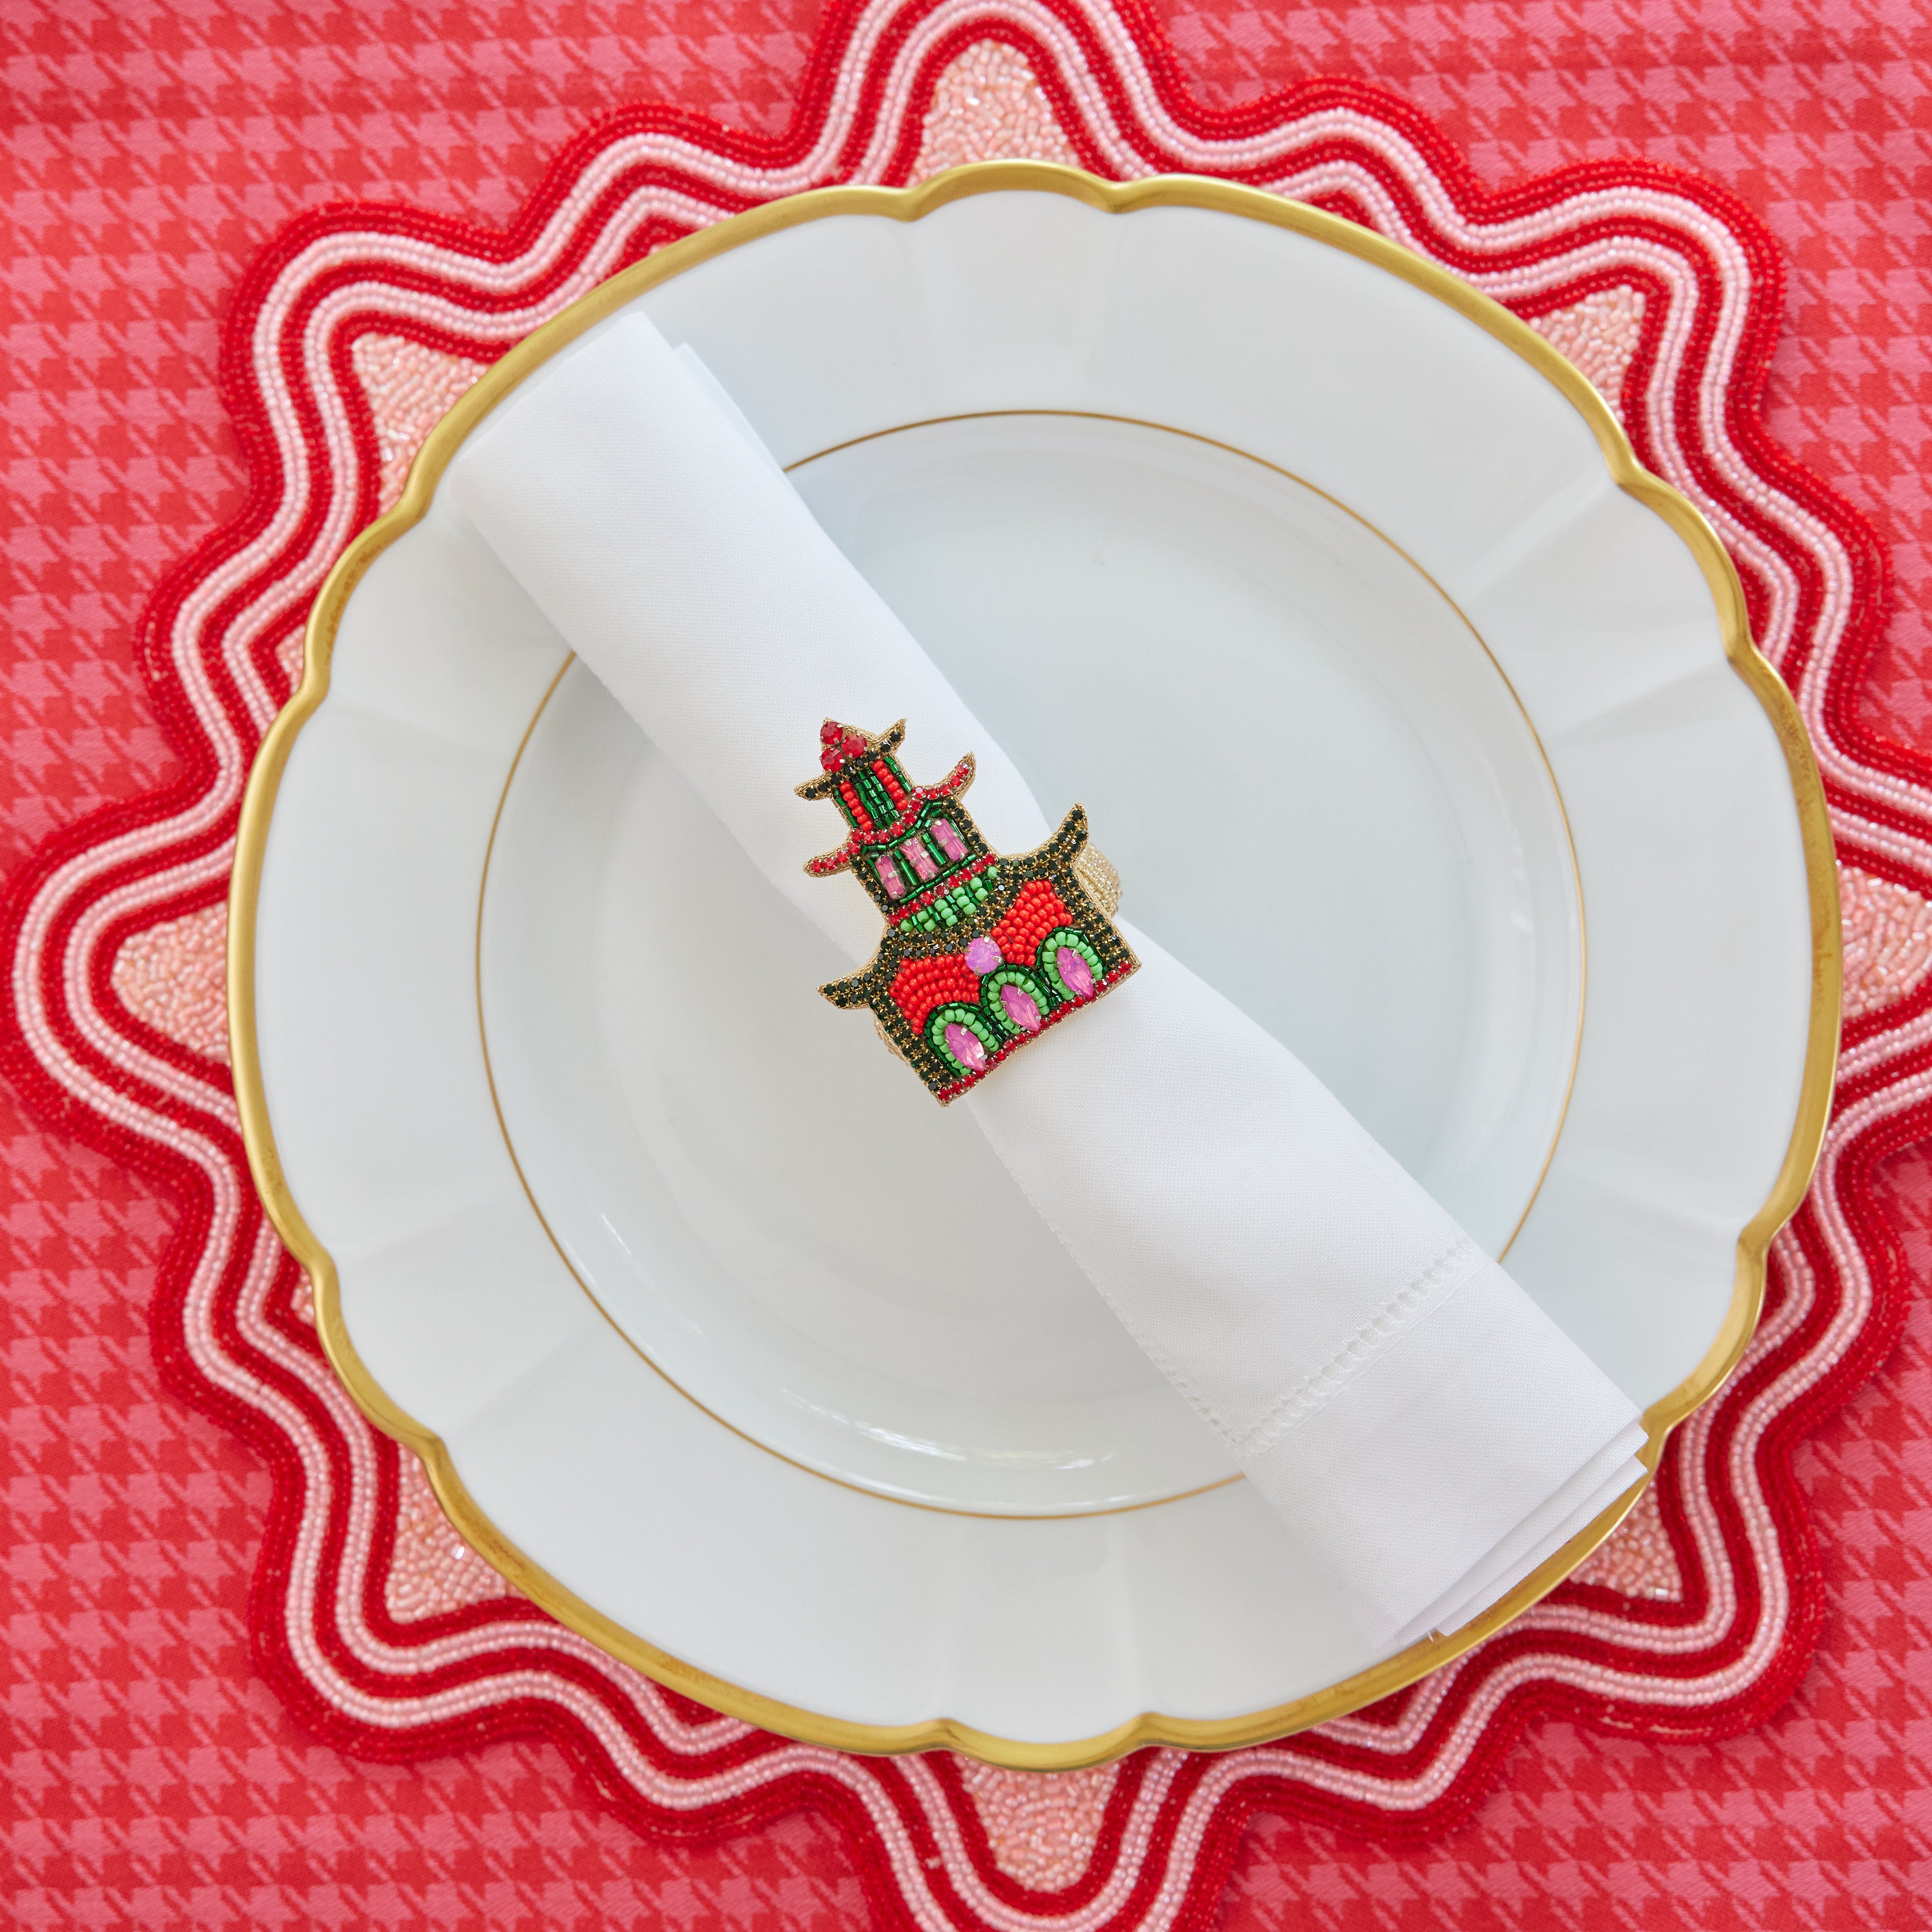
point(509, 1140)
point(1801, 1150)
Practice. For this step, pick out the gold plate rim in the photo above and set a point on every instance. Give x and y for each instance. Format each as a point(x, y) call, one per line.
point(908, 205)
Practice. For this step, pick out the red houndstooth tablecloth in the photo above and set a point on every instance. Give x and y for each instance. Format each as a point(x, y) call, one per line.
point(251, 1676)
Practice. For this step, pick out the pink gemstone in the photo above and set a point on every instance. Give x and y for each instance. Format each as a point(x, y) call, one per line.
point(964, 1044)
point(1020, 1008)
point(982, 955)
point(950, 842)
point(1075, 970)
point(918, 858)
point(889, 877)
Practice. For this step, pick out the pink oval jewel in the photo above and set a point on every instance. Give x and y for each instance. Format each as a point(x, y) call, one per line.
point(1076, 973)
point(950, 842)
point(963, 1043)
point(889, 877)
point(982, 955)
point(1020, 1007)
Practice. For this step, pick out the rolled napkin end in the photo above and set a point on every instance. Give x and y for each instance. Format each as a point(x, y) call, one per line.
point(1611, 1475)
point(1432, 1432)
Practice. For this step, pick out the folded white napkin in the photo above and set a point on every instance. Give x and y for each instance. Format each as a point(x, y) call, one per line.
point(1424, 1429)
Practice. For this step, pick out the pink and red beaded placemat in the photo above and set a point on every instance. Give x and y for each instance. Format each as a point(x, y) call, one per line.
point(145, 1787)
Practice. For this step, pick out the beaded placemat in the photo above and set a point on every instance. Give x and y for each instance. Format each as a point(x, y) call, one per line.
point(352, 333)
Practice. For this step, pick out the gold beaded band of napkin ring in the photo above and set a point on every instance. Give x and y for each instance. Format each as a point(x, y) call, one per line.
point(981, 953)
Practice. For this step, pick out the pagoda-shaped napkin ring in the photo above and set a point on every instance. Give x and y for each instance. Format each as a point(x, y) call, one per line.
point(981, 952)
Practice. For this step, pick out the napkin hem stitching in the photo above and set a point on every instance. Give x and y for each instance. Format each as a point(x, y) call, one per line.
point(1425, 1292)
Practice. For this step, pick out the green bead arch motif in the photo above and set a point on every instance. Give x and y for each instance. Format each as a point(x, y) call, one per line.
point(1049, 957)
point(973, 1020)
point(1029, 982)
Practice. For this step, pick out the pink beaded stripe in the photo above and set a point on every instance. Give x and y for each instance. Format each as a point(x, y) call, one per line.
point(352, 337)
point(1887, 941)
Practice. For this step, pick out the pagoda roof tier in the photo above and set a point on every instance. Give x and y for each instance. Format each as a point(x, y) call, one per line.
point(917, 798)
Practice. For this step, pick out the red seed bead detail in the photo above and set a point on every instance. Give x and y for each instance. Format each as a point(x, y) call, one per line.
point(1038, 911)
point(921, 985)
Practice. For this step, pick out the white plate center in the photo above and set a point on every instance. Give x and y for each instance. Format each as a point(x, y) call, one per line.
point(1321, 794)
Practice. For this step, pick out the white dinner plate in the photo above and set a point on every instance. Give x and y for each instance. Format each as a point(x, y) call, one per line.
point(1407, 707)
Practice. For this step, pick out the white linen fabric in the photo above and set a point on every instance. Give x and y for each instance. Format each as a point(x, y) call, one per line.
point(1423, 1428)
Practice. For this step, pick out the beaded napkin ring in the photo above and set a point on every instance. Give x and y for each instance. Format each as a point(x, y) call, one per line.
point(981, 952)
